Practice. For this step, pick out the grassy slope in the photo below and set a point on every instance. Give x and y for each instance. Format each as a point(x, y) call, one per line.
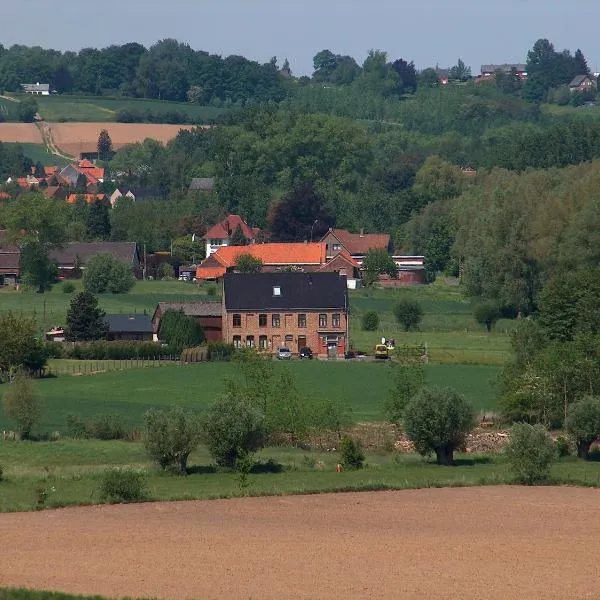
point(93, 109)
point(39, 152)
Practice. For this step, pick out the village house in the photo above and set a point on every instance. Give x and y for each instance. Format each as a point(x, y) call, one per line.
point(356, 244)
point(220, 234)
point(208, 315)
point(36, 89)
point(269, 311)
point(489, 71)
point(94, 175)
point(133, 328)
point(10, 258)
point(137, 194)
point(582, 83)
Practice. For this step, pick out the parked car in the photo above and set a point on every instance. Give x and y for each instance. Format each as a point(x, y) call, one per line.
point(306, 353)
point(284, 354)
point(381, 352)
point(350, 354)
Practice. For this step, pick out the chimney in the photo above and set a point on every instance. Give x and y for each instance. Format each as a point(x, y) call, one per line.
point(362, 232)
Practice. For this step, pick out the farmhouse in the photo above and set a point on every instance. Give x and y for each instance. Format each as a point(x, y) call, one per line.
point(208, 314)
point(10, 257)
point(356, 244)
point(129, 328)
point(582, 83)
point(269, 311)
point(74, 255)
point(489, 71)
point(37, 89)
point(221, 233)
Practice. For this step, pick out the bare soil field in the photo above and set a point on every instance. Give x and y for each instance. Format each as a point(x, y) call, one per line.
point(492, 542)
point(73, 138)
point(25, 133)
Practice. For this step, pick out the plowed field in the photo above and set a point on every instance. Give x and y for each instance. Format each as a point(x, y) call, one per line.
point(25, 133)
point(475, 543)
point(74, 138)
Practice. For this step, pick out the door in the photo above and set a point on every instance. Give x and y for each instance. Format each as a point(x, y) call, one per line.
point(301, 342)
point(332, 350)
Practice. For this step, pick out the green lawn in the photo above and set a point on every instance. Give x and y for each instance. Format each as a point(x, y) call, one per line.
point(8, 110)
point(97, 109)
point(361, 386)
point(39, 152)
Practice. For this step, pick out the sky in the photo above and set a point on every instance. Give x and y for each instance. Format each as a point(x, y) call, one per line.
point(430, 32)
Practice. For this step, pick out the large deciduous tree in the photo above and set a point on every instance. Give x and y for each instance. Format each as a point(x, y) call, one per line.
point(106, 273)
point(583, 424)
point(378, 262)
point(20, 347)
point(180, 331)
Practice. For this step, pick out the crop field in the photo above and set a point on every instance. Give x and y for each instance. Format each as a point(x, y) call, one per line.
point(24, 133)
point(98, 109)
point(74, 138)
point(362, 387)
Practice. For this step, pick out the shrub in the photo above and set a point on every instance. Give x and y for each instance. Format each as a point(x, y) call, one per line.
point(68, 287)
point(220, 351)
point(21, 404)
point(370, 321)
point(487, 313)
point(171, 436)
point(563, 448)
point(76, 427)
point(530, 452)
point(583, 423)
point(211, 290)
point(100, 427)
point(408, 313)
point(351, 455)
point(166, 271)
point(180, 330)
point(437, 421)
point(105, 273)
point(123, 485)
point(233, 429)
point(102, 350)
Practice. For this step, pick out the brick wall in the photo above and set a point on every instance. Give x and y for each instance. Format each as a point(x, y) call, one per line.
point(289, 334)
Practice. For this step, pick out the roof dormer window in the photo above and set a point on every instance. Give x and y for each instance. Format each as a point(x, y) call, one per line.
point(276, 290)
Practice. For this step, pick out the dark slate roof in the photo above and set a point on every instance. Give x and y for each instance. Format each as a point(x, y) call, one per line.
point(205, 184)
point(129, 324)
point(301, 291)
point(195, 308)
point(578, 80)
point(124, 251)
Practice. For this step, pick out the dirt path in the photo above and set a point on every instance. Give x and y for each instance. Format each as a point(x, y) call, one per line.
point(494, 542)
point(46, 133)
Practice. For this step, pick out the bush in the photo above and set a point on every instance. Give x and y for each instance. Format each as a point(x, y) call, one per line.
point(370, 321)
point(68, 287)
point(487, 313)
point(171, 436)
point(408, 313)
point(123, 485)
point(351, 455)
point(21, 404)
point(100, 427)
point(583, 424)
point(563, 448)
point(233, 429)
point(105, 273)
point(180, 330)
point(102, 350)
point(530, 452)
point(211, 290)
point(220, 351)
point(437, 421)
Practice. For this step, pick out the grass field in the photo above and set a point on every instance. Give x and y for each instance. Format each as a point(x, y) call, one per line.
point(360, 386)
point(39, 152)
point(97, 109)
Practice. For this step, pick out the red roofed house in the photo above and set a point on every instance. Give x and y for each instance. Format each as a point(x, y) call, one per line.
point(220, 234)
point(89, 198)
point(356, 244)
point(94, 175)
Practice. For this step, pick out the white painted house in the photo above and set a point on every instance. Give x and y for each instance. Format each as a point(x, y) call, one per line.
point(37, 89)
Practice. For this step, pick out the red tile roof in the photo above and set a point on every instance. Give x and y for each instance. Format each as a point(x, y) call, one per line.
point(4, 195)
point(361, 243)
point(226, 227)
point(89, 198)
point(278, 254)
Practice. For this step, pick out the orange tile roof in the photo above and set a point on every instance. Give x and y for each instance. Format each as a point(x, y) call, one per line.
point(4, 195)
point(357, 243)
point(277, 254)
point(86, 164)
point(227, 226)
point(89, 198)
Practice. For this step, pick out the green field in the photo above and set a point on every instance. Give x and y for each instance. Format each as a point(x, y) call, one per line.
point(8, 110)
point(39, 153)
point(97, 109)
point(360, 386)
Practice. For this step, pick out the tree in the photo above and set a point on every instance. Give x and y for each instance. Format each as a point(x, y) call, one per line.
point(408, 376)
point(246, 263)
point(170, 436)
point(20, 347)
point(300, 216)
point(39, 271)
point(351, 454)
point(487, 313)
point(530, 452)
point(21, 404)
point(428, 78)
point(437, 421)
point(98, 220)
point(408, 313)
point(583, 423)
point(370, 321)
point(460, 71)
point(27, 110)
point(85, 319)
point(106, 273)
point(104, 145)
point(581, 65)
point(407, 74)
point(180, 331)
point(188, 249)
point(238, 238)
point(234, 428)
point(378, 262)
point(166, 271)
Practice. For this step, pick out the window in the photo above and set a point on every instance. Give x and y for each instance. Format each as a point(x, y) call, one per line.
point(237, 341)
point(337, 247)
point(276, 290)
point(335, 320)
point(263, 343)
point(250, 341)
point(237, 320)
point(301, 320)
point(275, 321)
point(289, 339)
point(262, 320)
point(322, 320)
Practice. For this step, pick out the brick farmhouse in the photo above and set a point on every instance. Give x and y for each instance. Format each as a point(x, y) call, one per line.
point(269, 311)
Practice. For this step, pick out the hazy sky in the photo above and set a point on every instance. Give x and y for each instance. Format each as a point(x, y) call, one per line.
point(427, 31)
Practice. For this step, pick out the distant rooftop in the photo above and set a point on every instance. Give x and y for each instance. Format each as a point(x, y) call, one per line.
point(36, 87)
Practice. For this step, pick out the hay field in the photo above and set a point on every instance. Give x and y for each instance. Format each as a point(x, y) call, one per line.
point(24, 133)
